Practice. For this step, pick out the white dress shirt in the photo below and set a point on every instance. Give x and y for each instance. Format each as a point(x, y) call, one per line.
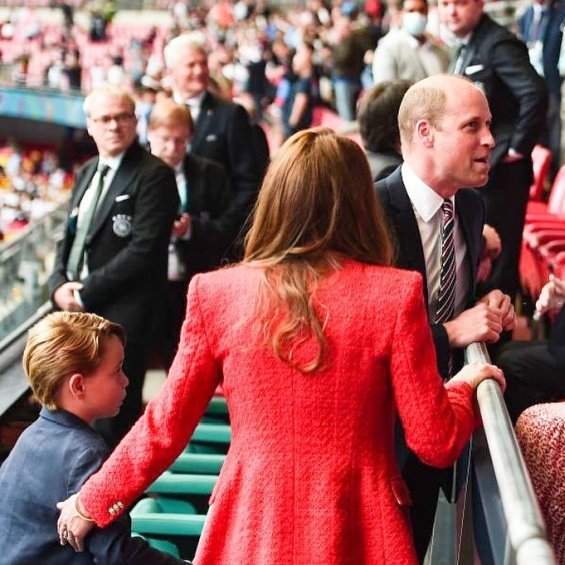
point(426, 204)
point(194, 104)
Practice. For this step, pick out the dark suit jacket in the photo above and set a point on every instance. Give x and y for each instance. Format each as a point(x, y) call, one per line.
point(556, 340)
point(551, 36)
point(208, 200)
point(127, 244)
point(499, 63)
point(223, 134)
point(409, 251)
point(51, 461)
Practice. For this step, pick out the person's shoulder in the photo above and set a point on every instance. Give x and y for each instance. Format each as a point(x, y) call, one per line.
point(378, 278)
point(227, 278)
point(393, 37)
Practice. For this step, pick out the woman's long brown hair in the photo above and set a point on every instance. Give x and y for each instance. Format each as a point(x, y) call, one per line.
point(317, 205)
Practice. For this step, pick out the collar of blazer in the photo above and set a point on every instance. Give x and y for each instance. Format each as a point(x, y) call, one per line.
point(207, 109)
point(411, 256)
point(120, 182)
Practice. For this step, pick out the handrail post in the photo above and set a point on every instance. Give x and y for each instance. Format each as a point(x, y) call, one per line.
point(526, 528)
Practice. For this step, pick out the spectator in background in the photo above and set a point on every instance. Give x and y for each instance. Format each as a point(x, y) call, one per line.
point(347, 66)
point(299, 103)
point(221, 127)
point(541, 28)
point(378, 124)
point(492, 57)
point(202, 231)
point(409, 52)
point(112, 259)
point(282, 331)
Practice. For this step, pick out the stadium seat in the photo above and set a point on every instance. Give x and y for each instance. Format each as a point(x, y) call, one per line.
point(541, 159)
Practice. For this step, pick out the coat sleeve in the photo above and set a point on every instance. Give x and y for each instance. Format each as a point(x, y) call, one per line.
point(437, 420)
point(163, 431)
point(510, 61)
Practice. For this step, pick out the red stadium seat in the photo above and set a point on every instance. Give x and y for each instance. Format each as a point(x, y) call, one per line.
point(541, 158)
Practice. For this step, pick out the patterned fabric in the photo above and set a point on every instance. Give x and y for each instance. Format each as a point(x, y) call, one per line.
point(311, 475)
point(446, 292)
point(541, 433)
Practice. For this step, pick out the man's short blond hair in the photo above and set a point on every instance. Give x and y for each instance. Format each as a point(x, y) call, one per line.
point(420, 103)
point(63, 343)
point(167, 113)
point(111, 91)
point(173, 49)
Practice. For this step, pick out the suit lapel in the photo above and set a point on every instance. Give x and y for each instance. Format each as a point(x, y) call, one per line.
point(194, 185)
point(120, 182)
point(206, 111)
point(409, 243)
point(84, 184)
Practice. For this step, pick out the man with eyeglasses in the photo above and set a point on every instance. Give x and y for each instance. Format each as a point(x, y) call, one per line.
point(112, 260)
point(222, 130)
point(203, 230)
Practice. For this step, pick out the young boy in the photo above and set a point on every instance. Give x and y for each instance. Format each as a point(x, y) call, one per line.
point(73, 362)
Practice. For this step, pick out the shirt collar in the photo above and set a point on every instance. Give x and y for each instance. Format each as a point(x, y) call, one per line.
point(112, 162)
point(193, 102)
point(426, 200)
point(179, 168)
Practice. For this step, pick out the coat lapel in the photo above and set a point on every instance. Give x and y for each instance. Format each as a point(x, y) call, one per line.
point(466, 223)
point(409, 244)
point(206, 112)
point(120, 182)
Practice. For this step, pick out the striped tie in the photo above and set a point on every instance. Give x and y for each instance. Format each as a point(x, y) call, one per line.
point(446, 293)
point(447, 282)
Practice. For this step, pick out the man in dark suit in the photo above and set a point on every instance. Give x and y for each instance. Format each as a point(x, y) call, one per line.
point(222, 130)
point(113, 258)
point(494, 59)
point(540, 27)
point(535, 370)
point(203, 229)
point(446, 143)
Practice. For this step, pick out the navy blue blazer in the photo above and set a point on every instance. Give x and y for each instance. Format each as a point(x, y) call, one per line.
point(410, 254)
point(127, 243)
point(51, 461)
point(497, 61)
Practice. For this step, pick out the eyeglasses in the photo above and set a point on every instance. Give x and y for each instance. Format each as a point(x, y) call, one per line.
point(120, 119)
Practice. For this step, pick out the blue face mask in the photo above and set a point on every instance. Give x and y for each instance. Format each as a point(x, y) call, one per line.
point(414, 23)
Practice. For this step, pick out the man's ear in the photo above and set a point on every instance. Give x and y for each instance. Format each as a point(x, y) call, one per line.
point(425, 132)
point(77, 385)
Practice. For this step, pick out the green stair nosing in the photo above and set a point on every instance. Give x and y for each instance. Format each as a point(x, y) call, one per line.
point(168, 524)
point(182, 483)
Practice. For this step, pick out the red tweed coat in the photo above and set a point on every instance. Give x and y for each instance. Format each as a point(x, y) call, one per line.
point(311, 477)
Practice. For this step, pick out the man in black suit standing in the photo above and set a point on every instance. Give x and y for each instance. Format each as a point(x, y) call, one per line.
point(496, 61)
point(113, 258)
point(203, 230)
point(540, 27)
point(222, 130)
point(446, 142)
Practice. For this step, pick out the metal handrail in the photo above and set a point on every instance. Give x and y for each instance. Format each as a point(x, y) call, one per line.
point(526, 528)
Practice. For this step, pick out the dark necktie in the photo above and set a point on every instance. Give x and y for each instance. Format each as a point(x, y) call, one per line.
point(456, 59)
point(76, 255)
point(446, 293)
point(447, 280)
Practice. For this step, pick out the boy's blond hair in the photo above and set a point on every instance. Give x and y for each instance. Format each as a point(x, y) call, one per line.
point(63, 343)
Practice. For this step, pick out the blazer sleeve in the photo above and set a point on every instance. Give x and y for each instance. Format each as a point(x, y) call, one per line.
point(156, 207)
point(166, 425)
point(510, 62)
point(437, 420)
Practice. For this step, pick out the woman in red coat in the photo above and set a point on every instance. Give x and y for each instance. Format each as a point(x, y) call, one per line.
point(317, 343)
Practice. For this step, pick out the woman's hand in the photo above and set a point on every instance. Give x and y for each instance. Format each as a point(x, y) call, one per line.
point(71, 526)
point(475, 373)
